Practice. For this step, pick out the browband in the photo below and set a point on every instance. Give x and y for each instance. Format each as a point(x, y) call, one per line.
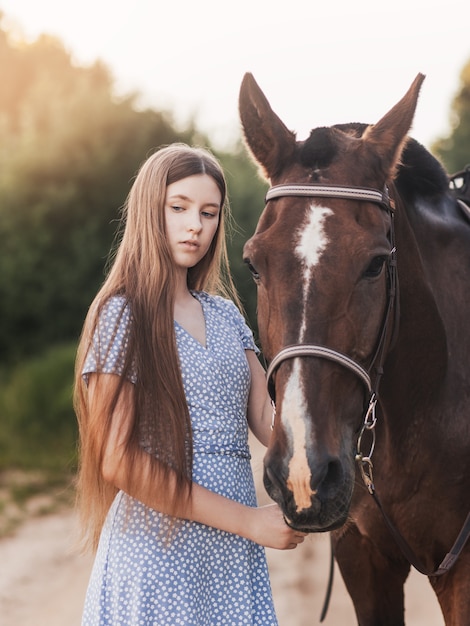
point(331, 191)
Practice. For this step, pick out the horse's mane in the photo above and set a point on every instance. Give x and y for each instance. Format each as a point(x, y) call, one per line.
point(419, 174)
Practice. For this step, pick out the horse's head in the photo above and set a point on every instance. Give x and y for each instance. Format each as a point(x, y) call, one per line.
point(318, 262)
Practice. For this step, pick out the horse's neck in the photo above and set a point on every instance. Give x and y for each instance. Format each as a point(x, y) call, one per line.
point(443, 239)
point(425, 386)
point(417, 364)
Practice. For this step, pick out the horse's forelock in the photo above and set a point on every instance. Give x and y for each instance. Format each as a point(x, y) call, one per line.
point(320, 149)
point(337, 151)
point(324, 143)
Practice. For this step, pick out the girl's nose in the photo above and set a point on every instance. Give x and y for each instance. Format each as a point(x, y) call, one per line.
point(194, 223)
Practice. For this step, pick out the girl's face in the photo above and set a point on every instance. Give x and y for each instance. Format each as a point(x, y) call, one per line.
point(192, 213)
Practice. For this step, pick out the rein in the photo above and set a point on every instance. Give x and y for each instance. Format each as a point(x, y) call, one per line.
point(382, 199)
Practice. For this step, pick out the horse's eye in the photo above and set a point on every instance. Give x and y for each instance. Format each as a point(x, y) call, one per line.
point(375, 267)
point(252, 269)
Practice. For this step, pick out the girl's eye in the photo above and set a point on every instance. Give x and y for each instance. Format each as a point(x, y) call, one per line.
point(176, 207)
point(208, 214)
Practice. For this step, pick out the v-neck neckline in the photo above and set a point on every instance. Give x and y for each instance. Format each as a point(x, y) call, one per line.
point(206, 328)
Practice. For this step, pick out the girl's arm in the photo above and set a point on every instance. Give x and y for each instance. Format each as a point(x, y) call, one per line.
point(263, 525)
point(260, 409)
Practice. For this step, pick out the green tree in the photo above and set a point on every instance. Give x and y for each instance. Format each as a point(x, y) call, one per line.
point(454, 150)
point(246, 193)
point(69, 151)
point(38, 428)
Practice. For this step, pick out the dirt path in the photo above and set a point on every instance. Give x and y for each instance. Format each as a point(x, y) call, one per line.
point(43, 582)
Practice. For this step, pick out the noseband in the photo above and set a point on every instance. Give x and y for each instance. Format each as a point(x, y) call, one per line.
point(302, 349)
point(382, 199)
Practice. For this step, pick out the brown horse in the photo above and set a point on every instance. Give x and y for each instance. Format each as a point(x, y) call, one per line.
point(362, 261)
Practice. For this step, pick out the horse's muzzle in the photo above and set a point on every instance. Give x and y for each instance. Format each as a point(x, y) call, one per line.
point(328, 506)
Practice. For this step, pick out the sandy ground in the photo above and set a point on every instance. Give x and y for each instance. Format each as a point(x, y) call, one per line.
point(43, 582)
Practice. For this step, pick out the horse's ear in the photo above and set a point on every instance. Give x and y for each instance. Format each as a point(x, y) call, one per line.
point(268, 139)
point(389, 136)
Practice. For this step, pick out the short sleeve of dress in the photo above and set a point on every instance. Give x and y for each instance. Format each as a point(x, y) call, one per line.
point(110, 342)
point(245, 333)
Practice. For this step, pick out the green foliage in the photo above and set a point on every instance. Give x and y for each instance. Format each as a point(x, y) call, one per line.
point(246, 193)
point(37, 421)
point(454, 150)
point(69, 150)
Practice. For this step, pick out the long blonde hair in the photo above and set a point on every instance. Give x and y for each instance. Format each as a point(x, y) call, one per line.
point(142, 271)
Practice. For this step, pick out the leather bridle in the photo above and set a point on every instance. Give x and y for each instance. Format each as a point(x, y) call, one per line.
point(386, 338)
point(382, 199)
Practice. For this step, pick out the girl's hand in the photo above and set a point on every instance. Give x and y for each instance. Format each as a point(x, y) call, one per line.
point(269, 529)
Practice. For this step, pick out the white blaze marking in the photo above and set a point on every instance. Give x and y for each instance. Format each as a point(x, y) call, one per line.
point(294, 408)
point(312, 243)
point(312, 240)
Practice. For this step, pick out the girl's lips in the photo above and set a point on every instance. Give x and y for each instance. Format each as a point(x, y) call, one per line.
point(193, 245)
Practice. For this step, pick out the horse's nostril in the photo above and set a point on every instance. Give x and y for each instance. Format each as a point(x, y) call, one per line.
point(328, 477)
point(268, 476)
point(273, 482)
point(334, 471)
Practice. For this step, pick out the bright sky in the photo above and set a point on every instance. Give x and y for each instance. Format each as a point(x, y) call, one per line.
point(319, 62)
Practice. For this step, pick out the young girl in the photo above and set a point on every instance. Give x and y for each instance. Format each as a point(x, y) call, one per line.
point(167, 383)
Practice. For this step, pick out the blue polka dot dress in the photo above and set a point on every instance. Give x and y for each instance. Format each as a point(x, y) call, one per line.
point(203, 576)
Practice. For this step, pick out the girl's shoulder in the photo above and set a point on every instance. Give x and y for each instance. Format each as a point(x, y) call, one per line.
point(219, 304)
point(115, 307)
point(110, 342)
